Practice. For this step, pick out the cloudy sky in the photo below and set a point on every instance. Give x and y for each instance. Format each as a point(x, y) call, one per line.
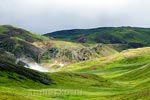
point(42, 16)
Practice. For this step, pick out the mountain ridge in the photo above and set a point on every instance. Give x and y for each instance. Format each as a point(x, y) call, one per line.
point(132, 36)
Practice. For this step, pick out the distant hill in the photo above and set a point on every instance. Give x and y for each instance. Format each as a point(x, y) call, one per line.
point(133, 37)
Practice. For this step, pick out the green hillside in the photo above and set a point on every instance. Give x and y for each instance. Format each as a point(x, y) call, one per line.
point(122, 76)
point(11, 96)
point(126, 57)
point(12, 74)
point(19, 43)
point(131, 36)
point(130, 68)
point(94, 69)
point(19, 83)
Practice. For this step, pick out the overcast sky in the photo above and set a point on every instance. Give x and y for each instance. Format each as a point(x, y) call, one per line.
point(42, 16)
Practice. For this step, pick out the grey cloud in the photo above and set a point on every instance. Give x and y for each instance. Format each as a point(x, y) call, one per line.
point(42, 16)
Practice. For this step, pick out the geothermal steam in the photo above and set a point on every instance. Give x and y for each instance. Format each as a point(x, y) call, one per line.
point(32, 65)
point(35, 66)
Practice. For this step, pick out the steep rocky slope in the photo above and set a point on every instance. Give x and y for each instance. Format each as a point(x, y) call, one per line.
point(61, 56)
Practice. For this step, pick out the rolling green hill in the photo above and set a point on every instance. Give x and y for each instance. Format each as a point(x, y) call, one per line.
point(20, 83)
point(19, 43)
point(121, 76)
point(133, 37)
point(130, 68)
point(93, 68)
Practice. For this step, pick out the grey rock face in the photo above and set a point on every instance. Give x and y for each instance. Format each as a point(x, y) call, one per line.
point(66, 55)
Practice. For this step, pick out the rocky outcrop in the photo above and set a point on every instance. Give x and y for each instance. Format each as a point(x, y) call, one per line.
point(66, 55)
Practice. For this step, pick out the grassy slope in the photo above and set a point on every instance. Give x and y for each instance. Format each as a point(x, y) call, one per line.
point(11, 96)
point(93, 86)
point(17, 82)
point(9, 71)
point(130, 69)
point(126, 57)
point(19, 41)
point(121, 76)
point(117, 77)
point(17, 78)
point(131, 36)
